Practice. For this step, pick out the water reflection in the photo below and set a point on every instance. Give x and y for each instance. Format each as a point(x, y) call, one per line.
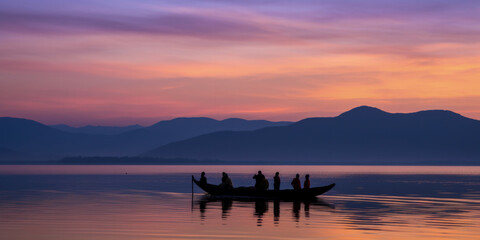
point(306, 207)
point(276, 211)
point(375, 213)
point(226, 207)
point(296, 211)
point(261, 207)
point(133, 207)
point(364, 213)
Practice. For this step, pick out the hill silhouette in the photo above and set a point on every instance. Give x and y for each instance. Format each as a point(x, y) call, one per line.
point(41, 141)
point(363, 135)
point(100, 130)
point(38, 141)
point(140, 140)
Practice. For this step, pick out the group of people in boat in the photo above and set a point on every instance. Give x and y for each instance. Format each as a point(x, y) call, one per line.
point(261, 182)
point(226, 180)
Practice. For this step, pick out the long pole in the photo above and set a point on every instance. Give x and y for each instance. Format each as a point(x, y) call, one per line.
point(192, 192)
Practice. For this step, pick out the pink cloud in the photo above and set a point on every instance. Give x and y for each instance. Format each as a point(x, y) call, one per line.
point(139, 61)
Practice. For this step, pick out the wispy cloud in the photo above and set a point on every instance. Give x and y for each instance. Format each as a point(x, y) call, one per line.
point(257, 59)
point(160, 24)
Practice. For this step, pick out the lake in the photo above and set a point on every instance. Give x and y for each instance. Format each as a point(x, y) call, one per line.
point(155, 202)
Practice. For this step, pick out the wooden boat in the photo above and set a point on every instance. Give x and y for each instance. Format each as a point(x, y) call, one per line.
point(251, 192)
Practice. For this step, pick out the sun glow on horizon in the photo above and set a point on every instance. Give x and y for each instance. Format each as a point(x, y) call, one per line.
point(140, 62)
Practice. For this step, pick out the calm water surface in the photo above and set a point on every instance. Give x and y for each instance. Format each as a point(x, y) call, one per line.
point(153, 202)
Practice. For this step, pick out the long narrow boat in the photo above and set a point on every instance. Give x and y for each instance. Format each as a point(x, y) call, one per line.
point(217, 191)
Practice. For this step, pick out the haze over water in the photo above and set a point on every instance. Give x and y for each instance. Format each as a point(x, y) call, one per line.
point(151, 202)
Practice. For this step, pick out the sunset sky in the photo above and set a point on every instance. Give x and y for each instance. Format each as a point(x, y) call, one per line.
point(119, 62)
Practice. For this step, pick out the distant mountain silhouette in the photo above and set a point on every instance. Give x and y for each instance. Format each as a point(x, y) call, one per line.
point(363, 135)
point(163, 132)
point(35, 139)
point(101, 130)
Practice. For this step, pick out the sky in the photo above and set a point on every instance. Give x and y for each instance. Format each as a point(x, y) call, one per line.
point(120, 62)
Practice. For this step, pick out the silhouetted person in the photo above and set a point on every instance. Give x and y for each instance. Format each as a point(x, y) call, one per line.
point(203, 179)
point(260, 182)
point(224, 176)
point(306, 184)
point(226, 181)
point(296, 182)
point(276, 182)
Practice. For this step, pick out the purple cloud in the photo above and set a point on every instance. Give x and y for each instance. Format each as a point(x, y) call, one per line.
point(159, 24)
point(275, 21)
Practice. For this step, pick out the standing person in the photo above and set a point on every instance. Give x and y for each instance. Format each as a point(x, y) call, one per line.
point(203, 179)
point(259, 181)
point(306, 184)
point(276, 182)
point(296, 182)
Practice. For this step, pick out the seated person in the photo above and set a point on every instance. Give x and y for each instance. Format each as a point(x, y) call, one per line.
point(226, 181)
point(203, 179)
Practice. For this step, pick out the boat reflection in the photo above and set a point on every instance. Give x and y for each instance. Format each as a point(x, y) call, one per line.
point(261, 207)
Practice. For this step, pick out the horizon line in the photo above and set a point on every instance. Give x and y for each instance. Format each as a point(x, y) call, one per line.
point(225, 118)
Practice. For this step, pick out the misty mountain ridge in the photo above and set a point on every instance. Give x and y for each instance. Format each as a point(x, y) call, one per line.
point(36, 139)
point(361, 135)
point(100, 130)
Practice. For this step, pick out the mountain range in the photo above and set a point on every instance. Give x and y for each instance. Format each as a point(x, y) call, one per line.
point(363, 135)
point(23, 137)
point(101, 130)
